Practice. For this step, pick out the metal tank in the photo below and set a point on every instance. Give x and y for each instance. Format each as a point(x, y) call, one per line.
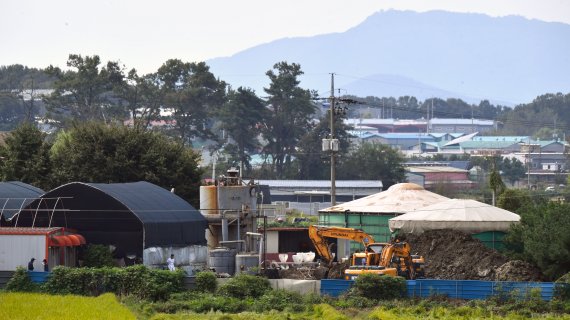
point(209, 208)
point(208, 200)
point(246, 263)
point(223, 260)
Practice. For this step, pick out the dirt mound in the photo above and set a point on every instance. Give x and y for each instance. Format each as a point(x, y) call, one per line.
point(456, 255)
point(337, 270)
point(517, 270)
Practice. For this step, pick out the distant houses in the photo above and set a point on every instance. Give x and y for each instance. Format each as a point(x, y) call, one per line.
point(546, 161)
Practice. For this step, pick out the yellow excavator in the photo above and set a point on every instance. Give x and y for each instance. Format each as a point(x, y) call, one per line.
point(392, 259)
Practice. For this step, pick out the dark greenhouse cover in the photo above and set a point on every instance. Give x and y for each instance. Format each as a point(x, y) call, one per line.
point(130, 216)
point(15, 195)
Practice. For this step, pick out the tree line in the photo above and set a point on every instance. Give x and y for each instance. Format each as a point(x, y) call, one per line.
point(285, 127)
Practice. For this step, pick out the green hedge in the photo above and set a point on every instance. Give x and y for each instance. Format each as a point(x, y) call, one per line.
point(21, 282)
point(379, 287)
point(136, 280)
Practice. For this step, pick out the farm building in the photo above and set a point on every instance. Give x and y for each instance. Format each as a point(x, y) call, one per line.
point(56, 245)
point(483, 221)
point(140, 220)
point(372, 213)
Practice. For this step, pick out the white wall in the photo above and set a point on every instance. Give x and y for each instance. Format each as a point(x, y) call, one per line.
point(17, 250)
point(272, 239)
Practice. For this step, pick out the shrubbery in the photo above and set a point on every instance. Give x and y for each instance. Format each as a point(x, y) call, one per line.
point(21, 282)
point(98, 256)
point(280, 300)
point(206, 282)
point(138, 280)
point(245, 286)
point(379, 287)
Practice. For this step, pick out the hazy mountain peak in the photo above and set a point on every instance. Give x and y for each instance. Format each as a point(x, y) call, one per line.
point(473, 56)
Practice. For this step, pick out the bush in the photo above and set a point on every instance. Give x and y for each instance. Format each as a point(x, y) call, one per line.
point(136, 280)
point(97, 256)
point(279, 300)
point(245, 286)
point(21, 282)
point(378, 287)
point(206, 282)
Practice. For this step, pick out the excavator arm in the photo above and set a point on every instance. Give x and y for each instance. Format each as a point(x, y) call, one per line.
point(318, 235)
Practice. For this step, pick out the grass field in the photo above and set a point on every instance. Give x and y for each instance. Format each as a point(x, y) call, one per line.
point(43, 306)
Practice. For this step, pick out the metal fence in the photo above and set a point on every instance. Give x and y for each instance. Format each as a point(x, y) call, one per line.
point(460, 289)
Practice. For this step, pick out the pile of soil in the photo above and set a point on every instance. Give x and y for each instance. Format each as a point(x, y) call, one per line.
point(337, 270)
point(517, 270)
point(455, 255)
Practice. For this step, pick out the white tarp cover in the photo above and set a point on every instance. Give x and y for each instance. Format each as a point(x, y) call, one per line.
point(458, 214)
point(399, 198)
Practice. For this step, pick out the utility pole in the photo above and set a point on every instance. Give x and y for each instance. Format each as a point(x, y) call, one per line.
point(333, 165)
point(330, 144)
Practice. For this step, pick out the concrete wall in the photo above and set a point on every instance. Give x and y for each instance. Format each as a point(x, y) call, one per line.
point(300, 286)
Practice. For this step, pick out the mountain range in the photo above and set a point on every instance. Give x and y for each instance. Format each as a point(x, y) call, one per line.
point(507, 60)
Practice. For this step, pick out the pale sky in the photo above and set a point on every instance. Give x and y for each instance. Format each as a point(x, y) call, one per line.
point(142, 34)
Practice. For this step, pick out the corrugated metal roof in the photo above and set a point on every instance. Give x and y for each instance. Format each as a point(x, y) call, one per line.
point(362, 134)
point(426, 169)
point(479, 122)
point(487, 144)
point(321, 183)
point(461, 139)
point(415, 136)
point(501, 138)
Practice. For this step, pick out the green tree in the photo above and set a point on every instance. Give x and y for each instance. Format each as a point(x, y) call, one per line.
point(496, 182)
point(513, 170)
point(291, 108)
point(242, 116)
point(84, 92)
point(194, 94)
point(374, 161)
point(26, 157)
point(514, 199)
point(93, 152)
point(542, 238)
point(142, 97)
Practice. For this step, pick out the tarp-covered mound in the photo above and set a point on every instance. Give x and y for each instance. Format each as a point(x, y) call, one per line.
point(399, 198)
point(458, 214)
